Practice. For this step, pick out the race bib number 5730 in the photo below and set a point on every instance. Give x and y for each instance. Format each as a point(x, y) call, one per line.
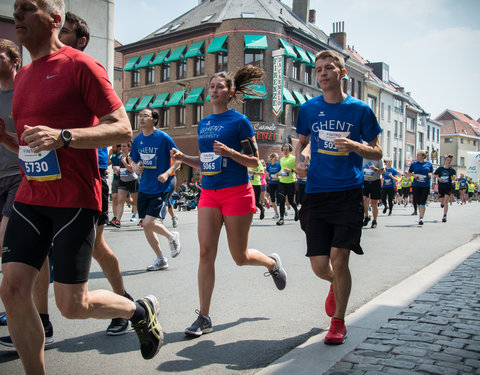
point(41, 166)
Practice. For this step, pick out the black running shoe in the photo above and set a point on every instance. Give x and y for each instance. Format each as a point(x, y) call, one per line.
point(202, 325)
point(49, 339)
point(278, 273)
point(374, 223)
point(389, 212)
point(296, 215)
point(262, 214)
point(420, 222)
point(280, 221)
point(118, 326)
point(444, 219)
point(366, 220)
point(149, 331)
point(414, 213)
point(385, 210)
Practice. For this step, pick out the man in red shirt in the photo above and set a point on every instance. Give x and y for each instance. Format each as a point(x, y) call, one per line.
point(57, 98)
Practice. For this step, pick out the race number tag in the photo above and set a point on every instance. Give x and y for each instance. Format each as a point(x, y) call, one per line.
point(326, 145)
point(284, 174)
point(421, 177)
point(149, 161)
point(210, 163)
point(445, 179)
point(367, 171)
point(42, 166)
point(123, 172)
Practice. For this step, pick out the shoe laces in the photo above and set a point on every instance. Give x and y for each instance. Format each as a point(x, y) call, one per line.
point(143, 328)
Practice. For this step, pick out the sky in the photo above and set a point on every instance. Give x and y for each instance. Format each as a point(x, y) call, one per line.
point(431, 46)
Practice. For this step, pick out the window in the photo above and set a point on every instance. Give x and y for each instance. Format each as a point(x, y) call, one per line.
point(398, 106)
point(254, 57)
point(197, 113)
point(164, 118)
point(359, 90)
point(388, 142)
point(474, 143)
point(461, 140)
point(410, 153)
point(400, 158)
point(400, 130)
point(438, 135)
point(221, 62)
point(309, 75)
point(134, 121)
point(352, 86)
point(294, 116)
point(462, 161)
point(395, 133)
point(181, 69)
point(372, 103)
point(135, 78)
point(296, 70)
point(149, 75)
point(448, 140)
point(199, 67)
point(428, 132)
point(394, 157)
point(253, 109)
point(180, 115)
point(382, 111)
point(165, 76)
point(410, 124)
point(389, 113)
point(420, 141)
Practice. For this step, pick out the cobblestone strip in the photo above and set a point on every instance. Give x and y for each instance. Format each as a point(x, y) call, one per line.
point(439, 333)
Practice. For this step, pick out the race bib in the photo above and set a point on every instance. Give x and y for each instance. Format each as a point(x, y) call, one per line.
point(41, 166)
point(326, 145)
point(149, 161)
point(420, 177)
point(123, 172)
point(285, 174)
point(210, 163)
point(445, 179)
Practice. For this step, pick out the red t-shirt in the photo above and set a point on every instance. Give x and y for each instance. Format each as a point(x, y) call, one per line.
point(64, 90)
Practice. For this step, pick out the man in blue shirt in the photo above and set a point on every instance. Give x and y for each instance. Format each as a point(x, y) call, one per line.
point(273, 175)
point(332, 212)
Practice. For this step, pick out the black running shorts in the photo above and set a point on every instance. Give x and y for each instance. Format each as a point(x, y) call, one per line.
point(444, 189)
point(150, 204)
point(332, 219)
point(372, 189)
point(69, 232)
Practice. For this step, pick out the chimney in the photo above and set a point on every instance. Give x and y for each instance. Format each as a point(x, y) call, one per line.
point(300, 8)
point(339, 34)
point(312, 16)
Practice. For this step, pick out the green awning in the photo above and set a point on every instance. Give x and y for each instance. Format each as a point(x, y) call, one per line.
point(255, 42)
point(302, 55)
point(195, 50)
point(145, 61)
point(176, 54)
point(287, 97)
point(144, 102)
point(308, 96)
point(130, 104)
point(160, 100)
point(176, 98)
point(217, 45)
point(262, 92)
point(300, 97)
point(312, 57)
point(160, 58)
point(289, 52)
point(131, 63)
point(194, 96)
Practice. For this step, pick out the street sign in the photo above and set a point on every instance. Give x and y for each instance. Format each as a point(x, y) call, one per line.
point(277, 90)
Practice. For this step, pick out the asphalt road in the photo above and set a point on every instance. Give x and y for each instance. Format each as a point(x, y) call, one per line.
point(254, 323)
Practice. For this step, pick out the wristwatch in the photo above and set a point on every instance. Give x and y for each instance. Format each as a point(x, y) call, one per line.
point(66, 137)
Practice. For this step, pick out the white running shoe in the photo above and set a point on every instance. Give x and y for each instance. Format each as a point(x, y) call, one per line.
point(174, 244)
point(159, 264)
point(275, 217)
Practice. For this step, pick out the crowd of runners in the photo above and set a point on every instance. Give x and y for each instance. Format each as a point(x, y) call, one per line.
point(63, 123)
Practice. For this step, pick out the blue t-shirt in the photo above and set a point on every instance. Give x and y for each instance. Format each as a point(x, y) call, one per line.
point(462, 183)
point(331, 170)
point(154, 152)
point(421, 171)
point(116, 163)
point(388, 181)
point(102, 158)
point(229, 128)
point(273, 169)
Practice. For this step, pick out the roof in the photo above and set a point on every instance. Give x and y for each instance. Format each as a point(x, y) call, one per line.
point(449, 114)
point(457, 127)
point(217, 11)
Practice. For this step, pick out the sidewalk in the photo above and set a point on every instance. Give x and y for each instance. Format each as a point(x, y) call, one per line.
point(429, 324)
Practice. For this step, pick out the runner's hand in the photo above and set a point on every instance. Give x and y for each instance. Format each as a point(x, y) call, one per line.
point(163, 178)
point(40, 138)
point(176, 154)
point(301, 170)
point(345, 144)
point(220, 149)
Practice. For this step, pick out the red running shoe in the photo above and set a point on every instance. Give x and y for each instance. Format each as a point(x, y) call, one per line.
point(337, 333)
point(330, 303)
